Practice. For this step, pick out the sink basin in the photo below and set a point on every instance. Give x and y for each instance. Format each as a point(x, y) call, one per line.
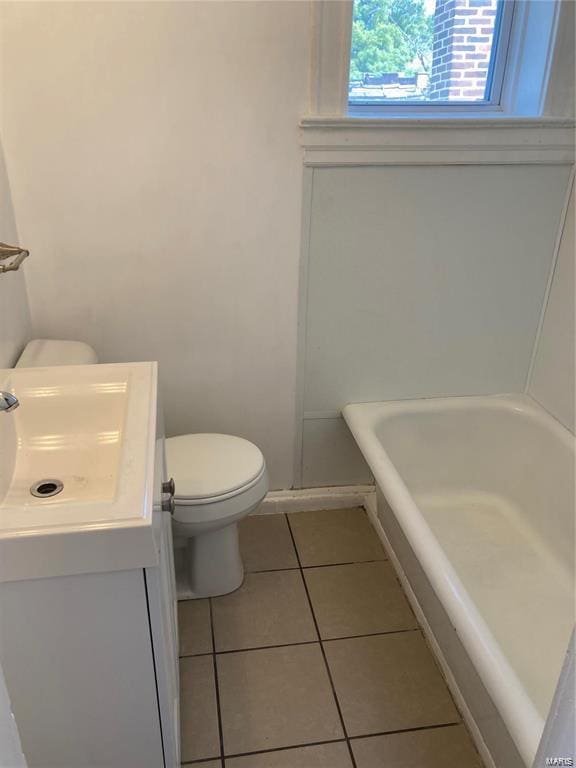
point(70, 431)
point(90, 428)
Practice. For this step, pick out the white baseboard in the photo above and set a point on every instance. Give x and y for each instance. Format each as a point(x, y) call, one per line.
point(372, 510)
point(312, 499)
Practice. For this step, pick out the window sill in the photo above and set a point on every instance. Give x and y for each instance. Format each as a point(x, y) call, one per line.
point(438, 119)
point(436, 140)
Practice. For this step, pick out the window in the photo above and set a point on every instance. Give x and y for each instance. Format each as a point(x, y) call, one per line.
point(428, 52)
point(419, 58)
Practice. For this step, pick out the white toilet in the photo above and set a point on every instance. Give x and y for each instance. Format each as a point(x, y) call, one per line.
point(219, 479)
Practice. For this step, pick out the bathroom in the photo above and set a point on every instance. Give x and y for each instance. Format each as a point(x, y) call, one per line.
point(236, 234)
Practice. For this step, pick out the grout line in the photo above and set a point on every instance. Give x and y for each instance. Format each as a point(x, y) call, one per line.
point(371, 634)
point(407, 730)
point(328, 672)
point(329, 741)
point(297, 568)
point(272, 749)
point(265, 647)
point(300, 642)
point(273, 570)
point(217, 686)
point(349, 562)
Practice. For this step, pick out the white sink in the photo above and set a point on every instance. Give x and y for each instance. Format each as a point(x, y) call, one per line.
point(93, 429)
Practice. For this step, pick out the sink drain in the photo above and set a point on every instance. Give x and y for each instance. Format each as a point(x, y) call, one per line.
point(45, 488)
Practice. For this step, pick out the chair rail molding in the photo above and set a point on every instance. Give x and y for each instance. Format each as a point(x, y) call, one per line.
point(333, 141)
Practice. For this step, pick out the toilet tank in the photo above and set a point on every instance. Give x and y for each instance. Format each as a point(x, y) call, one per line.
point(49, 352)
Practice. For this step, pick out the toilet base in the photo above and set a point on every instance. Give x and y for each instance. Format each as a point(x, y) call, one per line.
point(211, 564)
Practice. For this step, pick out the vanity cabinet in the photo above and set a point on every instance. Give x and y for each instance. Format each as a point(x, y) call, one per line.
point(91, 658)
point(90, 662)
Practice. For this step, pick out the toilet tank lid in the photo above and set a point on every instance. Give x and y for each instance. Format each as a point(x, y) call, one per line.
point(207, 465)
point(48, 352)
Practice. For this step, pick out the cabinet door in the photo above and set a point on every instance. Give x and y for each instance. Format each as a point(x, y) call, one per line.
point(161, 588)
point(10, 746)
point(77, 658)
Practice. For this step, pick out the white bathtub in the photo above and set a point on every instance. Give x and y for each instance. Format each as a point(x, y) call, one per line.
point(482, 489)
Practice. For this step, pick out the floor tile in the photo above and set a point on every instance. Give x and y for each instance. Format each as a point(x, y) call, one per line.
point(387, 683)
point(435, 748)
point(198, 712)
point(268, 609)
point(194, 630)
point(335, 536)
point(266, 544)
point(358, 599)
point(277, 697)
point(320, 756)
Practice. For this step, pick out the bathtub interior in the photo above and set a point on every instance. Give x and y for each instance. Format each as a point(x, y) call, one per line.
point(495, 484)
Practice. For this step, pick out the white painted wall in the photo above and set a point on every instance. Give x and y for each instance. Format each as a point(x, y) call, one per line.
point(552, 380)
point(156, 175)
point(14, 314)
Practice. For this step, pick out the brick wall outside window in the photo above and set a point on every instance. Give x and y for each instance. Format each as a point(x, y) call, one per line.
point(463, 32)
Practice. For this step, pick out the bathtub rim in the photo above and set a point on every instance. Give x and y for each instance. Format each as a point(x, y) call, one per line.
point(519, 713)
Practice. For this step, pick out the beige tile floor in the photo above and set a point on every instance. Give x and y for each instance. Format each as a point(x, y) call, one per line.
point(316, 661)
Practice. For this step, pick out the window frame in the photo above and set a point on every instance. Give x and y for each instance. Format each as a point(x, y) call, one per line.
point(494, 86)
point(518, 88)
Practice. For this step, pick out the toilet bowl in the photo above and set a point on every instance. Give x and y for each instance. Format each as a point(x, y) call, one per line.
point(219, 479)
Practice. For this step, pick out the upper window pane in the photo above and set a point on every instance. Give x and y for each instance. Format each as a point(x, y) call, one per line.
point(415, 51)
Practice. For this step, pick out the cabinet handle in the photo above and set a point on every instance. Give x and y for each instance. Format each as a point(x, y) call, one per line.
point(169, 487)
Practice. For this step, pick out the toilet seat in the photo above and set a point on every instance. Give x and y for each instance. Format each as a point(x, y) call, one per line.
point(192, 501)
point(206, 466)
point(216, 477)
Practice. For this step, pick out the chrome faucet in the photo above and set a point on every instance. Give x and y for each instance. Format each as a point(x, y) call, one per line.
point(8, 402)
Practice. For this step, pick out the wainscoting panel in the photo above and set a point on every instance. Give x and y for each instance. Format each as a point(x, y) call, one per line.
point(421, 281)
point(331, 452)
